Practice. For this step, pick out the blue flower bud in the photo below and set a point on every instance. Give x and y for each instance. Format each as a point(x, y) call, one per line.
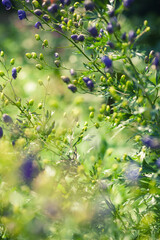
point(56, 55)
point(156, 60)
point(1, 132)
point(38, 12)
point(29, 170)
point(7, 4)
point(93, 31)
point(80, 38)
point(72, 9)
point(131, 36)
point(53, 8)
point(127, 3)
point(38, 25)
point(110, 44)
point(67, 2)
point(89, 6)
point(21, 14)
point(90, 85)
point(111, 13)
point(46, 17)
point(107, 61)
point(74, 37)
point(86, 79)
point(151, 142)
point(72, 88)
point(158, 162)
point(110, 28)
point(7, 119)
point(124, 37)
point(14, 73)
point(72, 72)
point(65, 79)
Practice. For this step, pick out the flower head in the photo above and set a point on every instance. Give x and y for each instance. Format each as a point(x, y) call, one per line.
point(7, 4)
point(21, 14)
point(38, 25)
point(14, 73)
point(107, 61)
point(93, 31)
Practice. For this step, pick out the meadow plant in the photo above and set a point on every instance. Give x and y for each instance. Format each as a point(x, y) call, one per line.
point(73, 195)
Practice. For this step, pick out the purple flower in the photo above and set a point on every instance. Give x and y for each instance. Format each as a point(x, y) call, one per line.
point(7, 4)
point(131, 36)
point(111, 13)
point(67, 2)
point(80, 38)
point(1, 132)
point(110, 44)
point(151, 142)
point(127, 3)
point(6, 118)
point(21, 14)
point(74, 37)
point(158, 162)
point(38, 25)
point(14, 73)
point(56, 55)
point(53, 8)
point(46, 17)
point(156, 60)
point(72, 9)
point(86, 79)
point(72, 88)
point(124, 36)
point(107, 61)
point(38, 12)
point(72, 72)
point(90, 85)
point(29, 170)
point(93, 31)
point(89, 6)
point(132, 172)
point(110, 28)
point(65, 79)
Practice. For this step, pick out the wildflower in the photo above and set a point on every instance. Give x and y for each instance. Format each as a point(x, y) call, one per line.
point(107, 61)
point(110, 28)
point(21, 14)
point(72, 88)
point(89, 6)
point(151, 142)
point(53, 8)
point(38, 12)
point(14, 73)
point(93, 31)
point(7, 119)
point(127, 3)
point(1, 132)
point(74, 37)
point(80, 38)
point(131, 36)
point(7, 4)
point(38, 25)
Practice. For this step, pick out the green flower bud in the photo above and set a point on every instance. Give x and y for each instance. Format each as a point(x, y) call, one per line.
point(57, 63)
point(35, 3)
point(34, 55)
point(29, 55)
point(45, 43)
point(41, 57)
point(31, 102)
point(40, 82)
point(96, 125)
point(91, 115)
point(37, 37)
point(145, 23)
point(91, 109)
point(1, 74)
point(2, 54)
point(19, 68)
point(12, 61)
point(39, 66)
point(40, 105)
